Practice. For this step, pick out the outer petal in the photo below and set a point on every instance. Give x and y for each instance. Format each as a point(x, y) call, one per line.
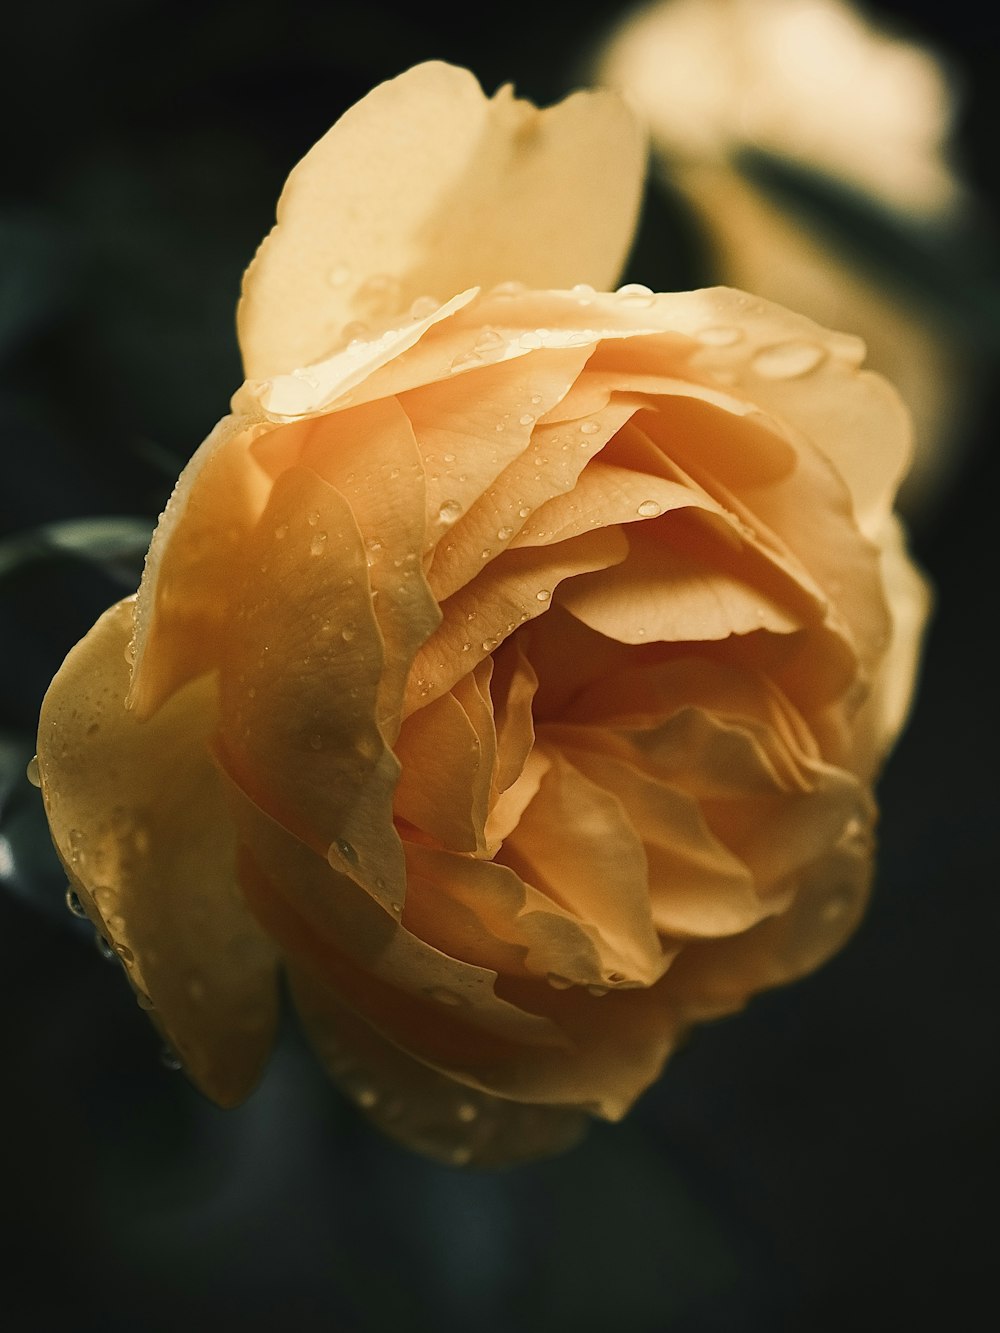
point(139, 818)
point(428, 186)
point(416, 1105)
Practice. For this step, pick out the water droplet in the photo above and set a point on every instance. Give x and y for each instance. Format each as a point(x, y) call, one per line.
point(124, 953)
point(529, 340)
point(396, 907)
point(379, 294)
point(584, 293)
point(597, 991)
point(105, 948)
point(635, 294)
point(485, 553)
point(719, 336)
point(488, 340)
point(523, 512)
point(450, 512)
point(338, 275)
point(281, 531)
point(616, 978)
point(32, 773)
point(649, 509)
point(348, 633)
point(467, 1112)
point(74, 904)
point(357, 331)
point(542, 595)
point(489, 645)
point(526, 419)
point(589, 428)
point(318, 544)
point(558, 982)
point(443, 995)
point(169, 1059)
point(306, 376)
point(315, 742)
point(346, 851)
point(536, 398)
point(466, 361)
point(312, 518)
point(130, 652)
point(788, 360)
point(144, 1001)
point(505, 534)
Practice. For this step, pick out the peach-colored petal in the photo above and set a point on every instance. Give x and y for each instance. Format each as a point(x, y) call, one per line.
point(470, 427)
point(697, 886)
point(549, 465)
point(447, 752)
point(715, 978)
point(674, 585)
point(575, 842)
point(139, 819)
point(300, 683)
point(428, 186)
point(512, 590)
point(417, 1106)
point(910, 599)
point(194, 559)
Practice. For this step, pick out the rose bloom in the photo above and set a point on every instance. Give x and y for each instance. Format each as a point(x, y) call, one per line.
point(510, 674)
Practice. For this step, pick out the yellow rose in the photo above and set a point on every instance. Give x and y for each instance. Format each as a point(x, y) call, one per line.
point(512, 677)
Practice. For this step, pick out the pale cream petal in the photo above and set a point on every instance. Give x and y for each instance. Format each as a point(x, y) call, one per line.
point(139, 818)
point(194, 559)
point(417, 1106)
point(427, 186)
point(300, 684)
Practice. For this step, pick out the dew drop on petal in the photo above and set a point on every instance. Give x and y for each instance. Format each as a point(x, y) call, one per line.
point(542, 595)
point(74, 904)
point(318, 544)
point(422, 307)
point(589, 428)
point(526, 420)
point(719, 335)
point(635, 294)
point(169, 1059)
point(442, 995)
point(649, 509)
point(450, 511)
point(32, 773)
point(788, 360)
point(558, 982)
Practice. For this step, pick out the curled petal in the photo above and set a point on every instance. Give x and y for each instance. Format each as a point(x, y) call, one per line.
point(426, 186)
point(140, 820)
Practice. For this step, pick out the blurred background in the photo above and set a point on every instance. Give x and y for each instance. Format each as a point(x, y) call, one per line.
point(825, 1160)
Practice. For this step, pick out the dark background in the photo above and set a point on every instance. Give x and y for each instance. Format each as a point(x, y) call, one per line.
point(825, 1161)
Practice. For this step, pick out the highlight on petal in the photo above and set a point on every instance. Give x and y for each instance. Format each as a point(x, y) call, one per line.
point(428, 187)
point(139, 817)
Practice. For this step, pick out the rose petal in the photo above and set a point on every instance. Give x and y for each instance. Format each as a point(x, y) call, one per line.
point(194, 559)
point(300, 683)
point(417, 1106)
point(139, 819)
point(513, 589)
point(427, 186)
point(575, 843)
